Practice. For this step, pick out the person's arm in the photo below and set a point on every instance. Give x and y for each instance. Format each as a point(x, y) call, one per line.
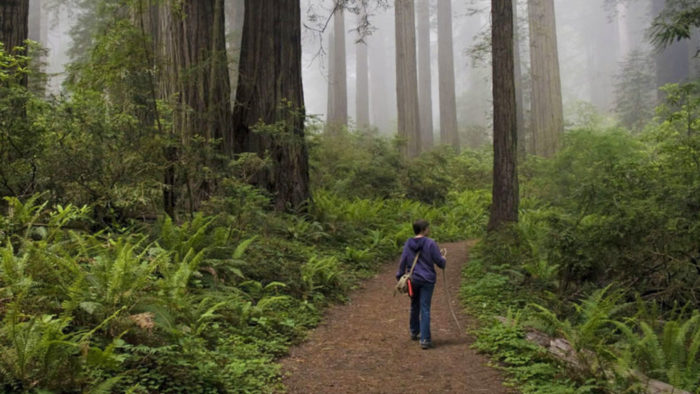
point(402, 265)
point(436, 256)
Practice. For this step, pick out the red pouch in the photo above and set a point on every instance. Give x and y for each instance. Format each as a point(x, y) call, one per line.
point(410, 288)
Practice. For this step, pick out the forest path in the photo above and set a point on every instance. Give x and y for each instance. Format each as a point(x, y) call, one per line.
point(364, 345)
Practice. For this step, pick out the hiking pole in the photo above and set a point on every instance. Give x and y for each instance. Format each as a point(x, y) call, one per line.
point(449, 303)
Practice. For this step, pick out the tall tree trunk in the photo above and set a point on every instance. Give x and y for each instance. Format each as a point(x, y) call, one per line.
point(194, 78)
point(407, 78)
point(424, 82)
point(547, 115)
point(338, 111)
point(382, 77)
point(270, 91)
point(14, 25)
point(504, 207)
point(518, 76)
point(362, 88)
point(446, 70)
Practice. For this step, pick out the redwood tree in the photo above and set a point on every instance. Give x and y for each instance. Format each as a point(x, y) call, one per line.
point(362, 85)
point(407, 78)
point(546, 115)
point(446, 70)
point(337, 76)
point(424, 82)
point(504, 206)
point(190, 48)
point(14, 24)
point(270, 92)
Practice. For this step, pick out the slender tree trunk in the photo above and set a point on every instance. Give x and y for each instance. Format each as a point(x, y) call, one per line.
point(424, 82)
point(362, 88)
point(446, 70)
point(270, 91)
point(407, 78)
point(519, 105)
point(338, 112)
point(504, 207)
point(547, 115)
point(14, 25)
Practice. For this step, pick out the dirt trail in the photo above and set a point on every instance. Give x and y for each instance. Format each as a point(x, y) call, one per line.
point(364, 346)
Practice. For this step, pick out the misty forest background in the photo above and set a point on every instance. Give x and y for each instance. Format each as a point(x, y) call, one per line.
point(187, 184)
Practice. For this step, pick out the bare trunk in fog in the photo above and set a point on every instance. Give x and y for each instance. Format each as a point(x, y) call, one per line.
point(446, 70)
point(382, 91)
point(38, 22)
point(518, 78)
point(547, 117)
point(14, 24)
point(234, 31)
point(505, 200)
point(39, 32)
point(362, 86)
point(424, 82)
point(338, 101)
point(270, 90)
point(407, 78)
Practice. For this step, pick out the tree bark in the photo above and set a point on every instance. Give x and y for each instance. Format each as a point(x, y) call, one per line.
point(504, 206)
point(424, 77)
point(518, 76)
point(338, 103)
point(270, 91)
point(407, 78)
point(190, 47)
point(14, 25)
point(547, 115)
point(448, 103)
point(362, 88)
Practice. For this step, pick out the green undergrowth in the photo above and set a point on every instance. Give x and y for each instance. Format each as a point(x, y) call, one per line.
point(205, 305)
point(604, 256)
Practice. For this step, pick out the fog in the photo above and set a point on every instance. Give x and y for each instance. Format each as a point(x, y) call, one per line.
point(593, 37)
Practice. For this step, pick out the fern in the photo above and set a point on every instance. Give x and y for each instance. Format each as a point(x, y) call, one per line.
point(669, 353)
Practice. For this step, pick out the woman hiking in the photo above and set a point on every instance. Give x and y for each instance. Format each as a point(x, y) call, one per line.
point(422, 280)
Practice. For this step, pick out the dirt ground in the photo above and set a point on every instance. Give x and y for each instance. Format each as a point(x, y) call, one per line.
point(364, 346)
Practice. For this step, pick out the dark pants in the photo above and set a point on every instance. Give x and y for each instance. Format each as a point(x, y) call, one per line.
point(420, 310)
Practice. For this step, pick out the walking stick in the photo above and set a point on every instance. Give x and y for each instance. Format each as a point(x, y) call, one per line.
point(447, 295)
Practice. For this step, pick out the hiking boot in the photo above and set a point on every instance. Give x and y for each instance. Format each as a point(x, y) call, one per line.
point(414, 337)
point(426, 345)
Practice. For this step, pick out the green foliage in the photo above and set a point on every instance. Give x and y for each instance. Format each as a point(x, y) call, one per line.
point(613, 217)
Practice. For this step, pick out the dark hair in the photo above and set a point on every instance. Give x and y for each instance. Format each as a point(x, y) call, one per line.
point(420, 225)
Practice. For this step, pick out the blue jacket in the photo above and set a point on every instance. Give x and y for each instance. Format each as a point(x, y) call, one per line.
point(429, 256)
